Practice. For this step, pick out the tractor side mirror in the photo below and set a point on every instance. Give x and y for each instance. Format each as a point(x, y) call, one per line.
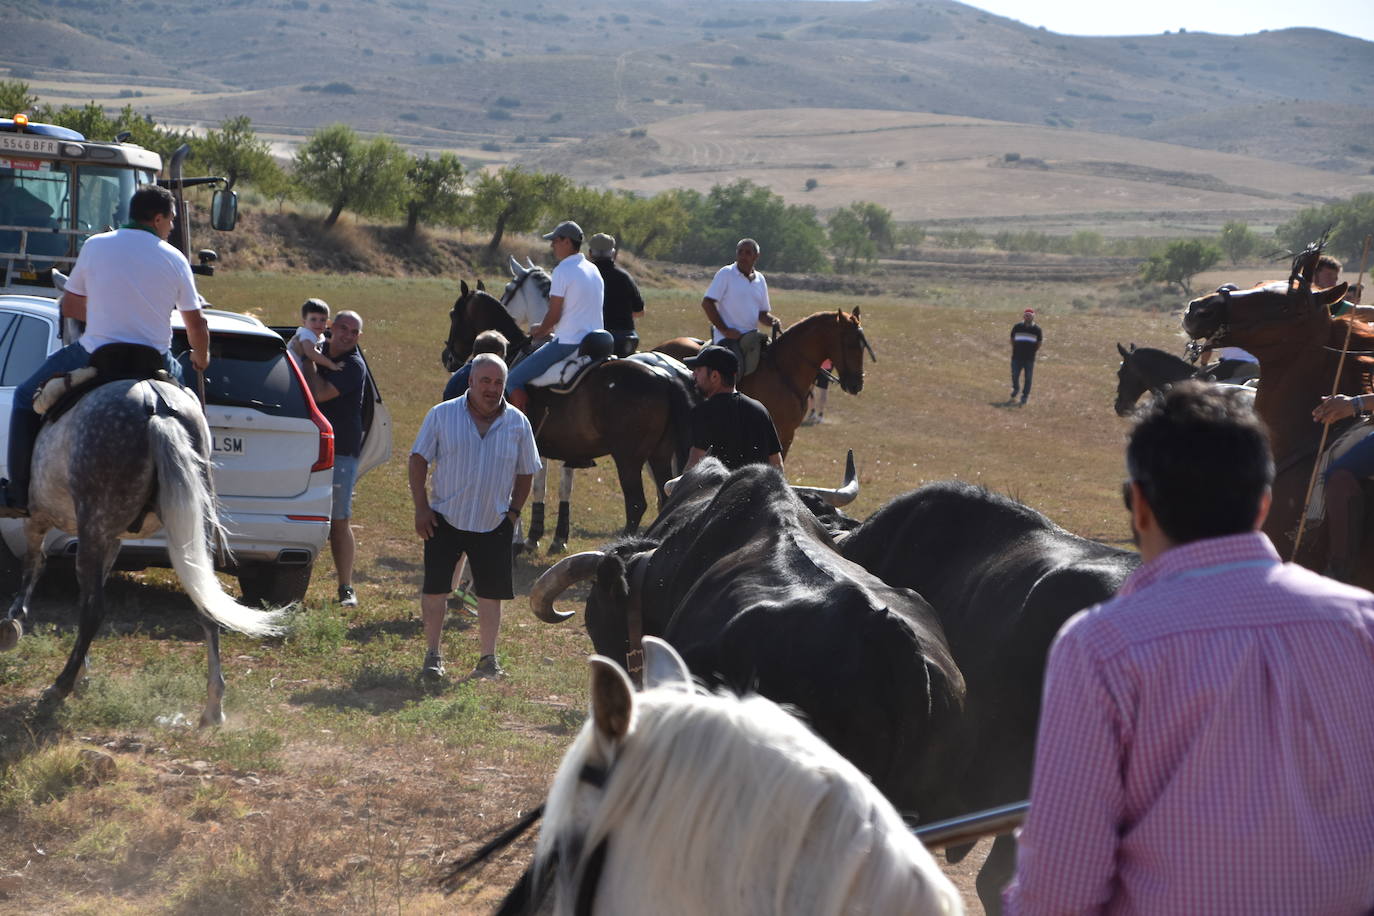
point(224, 210)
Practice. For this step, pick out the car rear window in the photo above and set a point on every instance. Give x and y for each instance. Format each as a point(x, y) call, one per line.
point(246, 371)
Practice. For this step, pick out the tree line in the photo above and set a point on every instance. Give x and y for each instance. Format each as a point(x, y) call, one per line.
point(375, 177)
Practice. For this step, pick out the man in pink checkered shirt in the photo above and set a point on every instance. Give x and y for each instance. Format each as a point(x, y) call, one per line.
point(1206, 738)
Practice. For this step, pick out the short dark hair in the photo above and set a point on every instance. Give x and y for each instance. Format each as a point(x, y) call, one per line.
point(726, 376)
point(1201, 457)
point(150, 202)
point(490, 342)
point(1328, 262)
point(314, 307)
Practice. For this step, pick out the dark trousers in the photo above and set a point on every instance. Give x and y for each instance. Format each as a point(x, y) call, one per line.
point(1019, 366)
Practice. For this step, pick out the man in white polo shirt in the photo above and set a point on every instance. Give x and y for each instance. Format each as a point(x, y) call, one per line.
point(737, 301)
point(575, 299)
point(484, 459)
point(124, 286)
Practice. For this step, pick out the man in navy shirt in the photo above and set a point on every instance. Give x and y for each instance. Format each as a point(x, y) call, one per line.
point(339, 394)
point(1025, 343)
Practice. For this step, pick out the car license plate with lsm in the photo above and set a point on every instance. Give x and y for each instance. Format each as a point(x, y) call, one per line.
point(226, 444)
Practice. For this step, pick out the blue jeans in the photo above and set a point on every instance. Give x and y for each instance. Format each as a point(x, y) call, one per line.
point(1017, 367)
point(1358, 461)
point(537, 363)
point(345, 477)
point(24, 423)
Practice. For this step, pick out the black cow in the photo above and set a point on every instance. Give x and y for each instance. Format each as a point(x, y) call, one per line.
point(740, 578)
point(1003, 579)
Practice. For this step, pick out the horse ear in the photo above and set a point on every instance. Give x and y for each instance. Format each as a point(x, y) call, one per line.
point(1123, 351)
point(663, 667)
point(1332, 295)
point(529, 265)
point(463, 285)
point(515, 269)
point(482, 286)
point(613, 703)
point(855, 313)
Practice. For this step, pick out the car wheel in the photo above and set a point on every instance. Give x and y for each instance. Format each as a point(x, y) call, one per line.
point(273, 584)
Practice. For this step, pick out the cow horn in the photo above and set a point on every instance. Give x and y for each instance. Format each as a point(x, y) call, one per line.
point(845, 494)
point(557, 579)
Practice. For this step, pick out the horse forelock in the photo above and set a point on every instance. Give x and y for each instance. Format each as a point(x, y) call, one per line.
point(715, 798)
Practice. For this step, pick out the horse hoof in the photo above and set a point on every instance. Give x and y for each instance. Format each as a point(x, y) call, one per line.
point(53, 696)
point(10, 631)
point(208, 718)
point(557, 547)
point(531, 546)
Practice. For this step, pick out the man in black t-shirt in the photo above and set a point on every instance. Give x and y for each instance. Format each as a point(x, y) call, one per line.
point(729, 426)
point(621, 302)
point(1025, 343)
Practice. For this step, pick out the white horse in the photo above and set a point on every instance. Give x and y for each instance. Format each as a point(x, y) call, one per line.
point(131, 457)
point(675, 801)
point(526, 297)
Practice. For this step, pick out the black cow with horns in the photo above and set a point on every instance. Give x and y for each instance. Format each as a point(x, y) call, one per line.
point(740, 578)
point(1002, 579)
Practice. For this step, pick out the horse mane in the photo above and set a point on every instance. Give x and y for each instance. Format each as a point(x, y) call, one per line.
point(495, 314)
point(731, 797)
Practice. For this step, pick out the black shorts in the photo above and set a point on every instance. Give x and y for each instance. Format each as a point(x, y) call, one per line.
point(822, 379)
point(489, 558)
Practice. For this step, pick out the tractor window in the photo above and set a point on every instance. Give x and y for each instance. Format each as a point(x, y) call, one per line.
point(34, 195)
point(102, 201)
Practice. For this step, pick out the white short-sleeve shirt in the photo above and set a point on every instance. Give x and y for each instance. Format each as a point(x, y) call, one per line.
point(739, 299)
point(132, 280)
point(579, 283)
point(474, 475)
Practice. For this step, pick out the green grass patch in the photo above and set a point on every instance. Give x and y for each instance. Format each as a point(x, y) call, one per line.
point(47, 775)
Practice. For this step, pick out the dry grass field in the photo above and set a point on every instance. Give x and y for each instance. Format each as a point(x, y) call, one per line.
point(339, 783)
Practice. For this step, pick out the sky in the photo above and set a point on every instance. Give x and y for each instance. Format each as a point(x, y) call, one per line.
point(1227, 17)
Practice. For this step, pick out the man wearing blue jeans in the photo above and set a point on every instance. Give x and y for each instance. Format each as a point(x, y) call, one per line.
point(339, 394)
point(575, 299)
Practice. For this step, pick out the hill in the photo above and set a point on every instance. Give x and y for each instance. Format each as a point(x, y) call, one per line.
point(459, 74)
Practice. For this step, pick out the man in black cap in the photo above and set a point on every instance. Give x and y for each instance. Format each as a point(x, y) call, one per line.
point(622, 303)
point(730, 426)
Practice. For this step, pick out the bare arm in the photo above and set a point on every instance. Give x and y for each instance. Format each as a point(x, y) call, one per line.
point(520, 492)
point(198, 336)
point(320, 390)
point(424, 515)
point(769, 319)
point(73, 306)
point(708, 305)
point(551, 318)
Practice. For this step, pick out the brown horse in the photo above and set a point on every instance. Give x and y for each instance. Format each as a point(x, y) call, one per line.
point(623, 408)
point(1289, 326)
point(791, 362)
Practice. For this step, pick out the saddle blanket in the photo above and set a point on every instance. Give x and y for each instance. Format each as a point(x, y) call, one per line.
point(564, 376)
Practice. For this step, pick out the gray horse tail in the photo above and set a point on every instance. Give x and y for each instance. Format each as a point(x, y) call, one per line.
point(187, 509)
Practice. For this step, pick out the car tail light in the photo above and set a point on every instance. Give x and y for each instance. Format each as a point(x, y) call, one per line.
point(325, 460)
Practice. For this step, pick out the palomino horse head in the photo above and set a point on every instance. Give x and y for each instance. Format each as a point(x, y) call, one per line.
point(676, 794)
point(475, 311)
point(526, 296)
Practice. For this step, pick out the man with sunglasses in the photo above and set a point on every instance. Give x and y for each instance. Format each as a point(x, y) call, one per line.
point(1205, 739)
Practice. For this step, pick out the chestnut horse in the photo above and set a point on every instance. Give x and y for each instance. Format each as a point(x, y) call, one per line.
point(1289, 327)
point(789, 365)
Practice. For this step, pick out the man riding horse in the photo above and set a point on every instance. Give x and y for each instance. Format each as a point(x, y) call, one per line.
point(123, 286)
point(737, 301)
point(575, 300)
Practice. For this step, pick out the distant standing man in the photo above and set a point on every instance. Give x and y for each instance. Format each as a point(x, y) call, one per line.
point(484, 459)
point(575, 297)
point(124, 286)
point(1025, 343)
point(730, 426)
point(623, 304)
point(736, 302)
point(339, 393)
point(1205, 742)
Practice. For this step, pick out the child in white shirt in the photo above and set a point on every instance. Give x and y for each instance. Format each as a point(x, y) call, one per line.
point(306, 342)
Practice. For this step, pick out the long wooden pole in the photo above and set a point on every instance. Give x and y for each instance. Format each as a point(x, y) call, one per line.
point(1326, 427)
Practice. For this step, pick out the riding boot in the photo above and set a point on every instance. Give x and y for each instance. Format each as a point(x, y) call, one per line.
point(14, 494)
point(1345, 528)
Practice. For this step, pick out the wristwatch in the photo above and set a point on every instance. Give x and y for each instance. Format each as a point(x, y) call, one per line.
point(513, 513)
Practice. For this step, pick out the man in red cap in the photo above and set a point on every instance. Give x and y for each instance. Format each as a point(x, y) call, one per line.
point(1025, 343)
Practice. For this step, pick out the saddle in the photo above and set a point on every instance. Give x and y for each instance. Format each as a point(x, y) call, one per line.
point(564, 377)
point(110, 363)
point(749, 349)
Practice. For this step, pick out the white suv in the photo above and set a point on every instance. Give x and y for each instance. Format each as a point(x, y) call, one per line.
point(273, 449)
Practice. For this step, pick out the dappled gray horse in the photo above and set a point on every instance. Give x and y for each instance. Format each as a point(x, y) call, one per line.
point(131, 457)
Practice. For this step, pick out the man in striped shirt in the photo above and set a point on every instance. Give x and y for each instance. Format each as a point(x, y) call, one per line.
point(1206, 738)
point(484, 458)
